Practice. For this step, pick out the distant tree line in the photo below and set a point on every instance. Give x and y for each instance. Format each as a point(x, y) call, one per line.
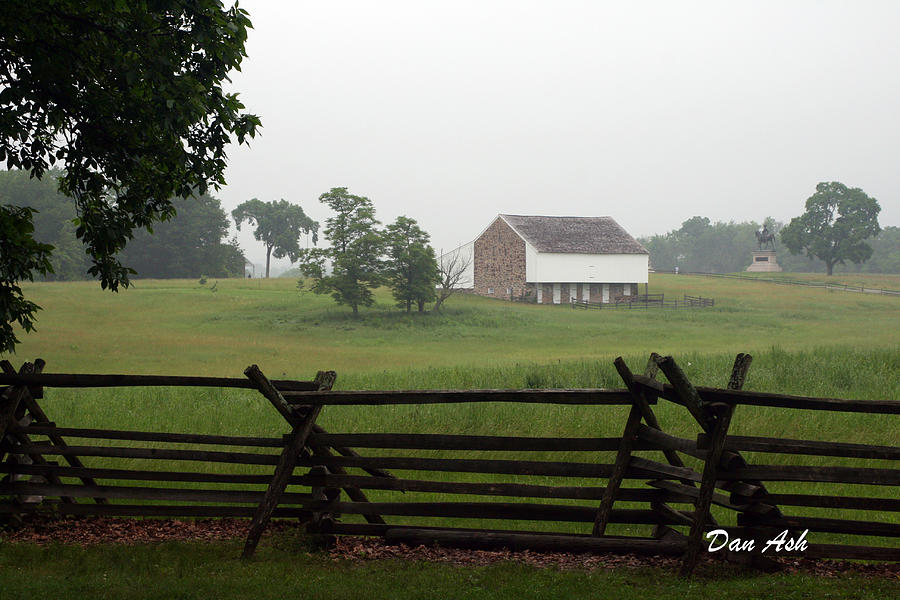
point(190, 244)
point(839, 231)
point(701, 246)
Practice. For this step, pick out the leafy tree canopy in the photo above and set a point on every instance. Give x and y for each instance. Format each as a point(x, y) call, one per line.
point(53, 220)
point(21, 258)
point(191, 244)
point(412, 269)
point(837, 222)
point(279, 225)
point(355, 252)
point(127, 97)
point(701, 246)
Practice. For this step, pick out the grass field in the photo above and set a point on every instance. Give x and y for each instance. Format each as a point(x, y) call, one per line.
point(182, 327)
point(805, 341)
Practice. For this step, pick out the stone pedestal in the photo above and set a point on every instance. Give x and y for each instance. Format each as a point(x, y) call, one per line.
point(764, 261)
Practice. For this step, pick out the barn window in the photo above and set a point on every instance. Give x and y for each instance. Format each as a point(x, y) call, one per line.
point(490, 290)
point(509, 291)
point(627, 290)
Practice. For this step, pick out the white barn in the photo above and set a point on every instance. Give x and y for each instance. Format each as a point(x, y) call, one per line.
point(554, 259)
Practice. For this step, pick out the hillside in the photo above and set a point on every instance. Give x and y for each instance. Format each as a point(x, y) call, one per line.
point(187, 328)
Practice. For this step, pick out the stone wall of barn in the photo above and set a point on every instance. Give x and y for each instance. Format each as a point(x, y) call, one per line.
point(499, 261)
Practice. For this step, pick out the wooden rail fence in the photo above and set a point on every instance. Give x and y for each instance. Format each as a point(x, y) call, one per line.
point(322, 477)
point(826, 285)
point(645, 301)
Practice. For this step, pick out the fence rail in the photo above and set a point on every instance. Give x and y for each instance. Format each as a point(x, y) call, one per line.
point(645, 301)
point(830, 286)
point(323, 477)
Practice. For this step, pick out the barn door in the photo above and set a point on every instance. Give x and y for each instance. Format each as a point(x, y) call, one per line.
point(556, 293)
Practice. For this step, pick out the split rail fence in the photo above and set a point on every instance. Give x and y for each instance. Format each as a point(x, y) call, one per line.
point(646, 301)
point(325, 478)
point(830, 286)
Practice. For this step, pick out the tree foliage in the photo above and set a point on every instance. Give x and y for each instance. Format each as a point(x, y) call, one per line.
point(412, 270)
point(355, 253)
point(20, 258)
point(279, 225)
point(701, 246)
point(192, 243)
point(53, 219)
point(885, 252)
point(837, 222)
point(127, 97)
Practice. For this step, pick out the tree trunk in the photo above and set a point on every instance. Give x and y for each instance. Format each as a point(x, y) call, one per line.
point(421, 306)
point(408, 305)
point(437, 303)
point(268, 258)
point(355, 309)
point(829, 268)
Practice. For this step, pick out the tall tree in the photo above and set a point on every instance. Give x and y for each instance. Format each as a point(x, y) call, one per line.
point(192, 243)
point(126, 96)
point(412, 270)
point(355, 252)
point(279, 225)
point(837, 222)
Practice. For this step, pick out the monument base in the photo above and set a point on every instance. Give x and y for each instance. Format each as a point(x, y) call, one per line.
point(764, 261)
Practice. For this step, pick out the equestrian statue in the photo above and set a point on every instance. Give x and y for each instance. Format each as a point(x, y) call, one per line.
point(764, 238)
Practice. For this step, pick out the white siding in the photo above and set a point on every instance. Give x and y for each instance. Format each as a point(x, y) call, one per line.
point(586, 268)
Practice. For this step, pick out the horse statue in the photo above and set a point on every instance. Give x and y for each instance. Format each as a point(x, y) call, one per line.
point(764, 238)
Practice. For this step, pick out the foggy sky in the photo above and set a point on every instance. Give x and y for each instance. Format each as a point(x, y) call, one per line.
point(649, 112)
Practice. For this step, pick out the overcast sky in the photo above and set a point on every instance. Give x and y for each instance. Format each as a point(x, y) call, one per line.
point(649, 112)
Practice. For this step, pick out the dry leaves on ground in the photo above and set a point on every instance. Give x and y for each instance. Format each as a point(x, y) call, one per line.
point(105, 530)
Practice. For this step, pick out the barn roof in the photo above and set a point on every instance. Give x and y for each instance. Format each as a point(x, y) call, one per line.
point(574, 235)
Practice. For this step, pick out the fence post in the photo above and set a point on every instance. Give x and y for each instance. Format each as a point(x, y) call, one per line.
point(601, 520)
point(303, 425)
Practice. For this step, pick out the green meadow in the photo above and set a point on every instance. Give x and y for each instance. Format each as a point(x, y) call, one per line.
point(805, 341)
point(182, 327)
